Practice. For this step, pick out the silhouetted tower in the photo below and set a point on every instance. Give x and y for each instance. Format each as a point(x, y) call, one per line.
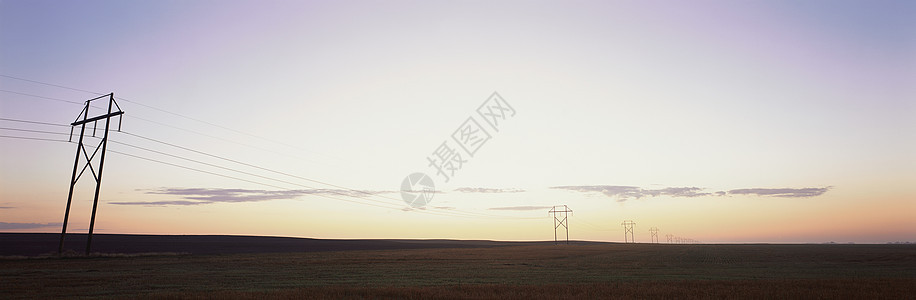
point(557, 222)
point(81, 121)
point(628, 230)
point(654, 234)
point(670, 238)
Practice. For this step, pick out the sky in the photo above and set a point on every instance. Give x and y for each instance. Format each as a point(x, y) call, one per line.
point(718, 121)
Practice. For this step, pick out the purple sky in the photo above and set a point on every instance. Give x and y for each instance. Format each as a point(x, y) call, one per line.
point(740, 114)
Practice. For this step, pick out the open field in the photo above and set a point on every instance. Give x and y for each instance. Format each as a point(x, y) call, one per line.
point(522, 271)
point(36, 244)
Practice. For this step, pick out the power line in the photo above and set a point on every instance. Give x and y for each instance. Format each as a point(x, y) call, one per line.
point(218, 126)
point(211, 124)
point(33, 122)
point(185, 148)
point(456, 213)
point(369, 194)
point(31, 138)
point(150, 107)
point(214, 137)
point(50, 84)
point(168, 125)
point(135, 117)
point(228, 176)
point(35, 131)
point(237, 178)
point(227, 168)
point(167, 163)
point(446, 213)
point(42, 97)
point(199, 162)
point(197, 170)
point(251, 165)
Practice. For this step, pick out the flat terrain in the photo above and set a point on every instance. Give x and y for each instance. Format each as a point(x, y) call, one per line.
point(36, 244)
point(511, 271)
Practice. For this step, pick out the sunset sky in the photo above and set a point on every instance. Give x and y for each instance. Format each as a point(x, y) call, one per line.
point(720, 121)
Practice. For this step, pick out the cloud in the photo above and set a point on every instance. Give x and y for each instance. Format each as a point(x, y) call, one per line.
point(5, 225)
point(409, 208)
point(521, 208)
point(688, 192)
point(199, 196)
point(415, 191)
point(624, 193)
point(784, 192)
point(6, 207)
point(228, 195)
point(487, 190)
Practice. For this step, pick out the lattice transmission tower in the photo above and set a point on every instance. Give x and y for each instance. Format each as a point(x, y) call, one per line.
point(557, 222)
point(628, 231)
point(81, 120)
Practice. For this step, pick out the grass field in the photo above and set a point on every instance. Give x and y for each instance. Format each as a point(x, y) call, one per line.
point(517, 272)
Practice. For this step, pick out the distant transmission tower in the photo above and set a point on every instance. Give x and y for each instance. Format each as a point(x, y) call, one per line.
point(654, 232)
point(628, 230)
point(557, 222)
point(81, 121)
point(670, 238)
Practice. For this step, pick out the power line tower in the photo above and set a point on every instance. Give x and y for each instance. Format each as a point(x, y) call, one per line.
point(628, 230)
point(654, 234)
point(670, 238)
point(557, 222)
point(81, 120)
